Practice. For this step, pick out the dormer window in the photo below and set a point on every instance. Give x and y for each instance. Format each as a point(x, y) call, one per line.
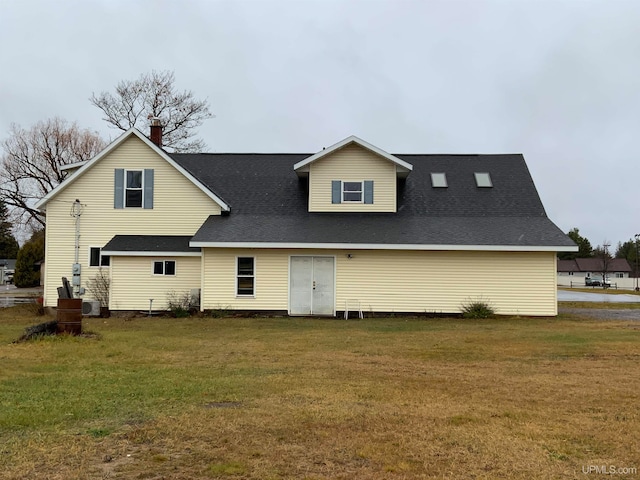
point(352, 192)
point(483, 180)
point(439, 180)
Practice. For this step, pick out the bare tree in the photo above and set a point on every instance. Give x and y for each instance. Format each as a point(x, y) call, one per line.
point(602, 251)
point(99, 287)
point(154, 95)
point(32, 159)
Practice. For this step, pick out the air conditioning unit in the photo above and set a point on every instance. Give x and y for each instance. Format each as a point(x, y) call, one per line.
point(91, 308)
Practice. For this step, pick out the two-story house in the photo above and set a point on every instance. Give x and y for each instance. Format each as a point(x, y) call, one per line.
point(304, 233)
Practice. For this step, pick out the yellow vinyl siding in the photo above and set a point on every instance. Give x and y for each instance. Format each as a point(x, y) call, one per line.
point(352, 164)
point(133, 282)
point(271, 276)
point(180, 208)
point(515, 283)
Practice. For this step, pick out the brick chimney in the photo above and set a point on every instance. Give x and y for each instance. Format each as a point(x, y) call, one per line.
point(155, 135)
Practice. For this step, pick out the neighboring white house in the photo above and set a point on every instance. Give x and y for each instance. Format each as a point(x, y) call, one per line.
point(581, 268)
point(303, 234)
point(572, 273)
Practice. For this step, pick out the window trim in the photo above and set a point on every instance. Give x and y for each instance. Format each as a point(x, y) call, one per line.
point(343, 191)
point(163, 262)
point(126, 188)
point(239, 276)
point(100, 258)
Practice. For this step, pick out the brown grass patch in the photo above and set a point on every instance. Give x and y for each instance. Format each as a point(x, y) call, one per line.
point(321, 399)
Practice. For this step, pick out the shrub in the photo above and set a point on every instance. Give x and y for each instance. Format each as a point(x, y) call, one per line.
point(36, 307)
point(477, 309)
point(182, 304)
point(98, 287)
point(220, 312)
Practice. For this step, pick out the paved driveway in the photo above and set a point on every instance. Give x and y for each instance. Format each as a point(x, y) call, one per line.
point(568, 296)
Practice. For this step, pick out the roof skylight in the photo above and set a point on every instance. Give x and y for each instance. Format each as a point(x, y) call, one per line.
point(439, 180)
point(483, 179)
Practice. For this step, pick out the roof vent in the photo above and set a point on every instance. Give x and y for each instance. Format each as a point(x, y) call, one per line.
point(483, 180)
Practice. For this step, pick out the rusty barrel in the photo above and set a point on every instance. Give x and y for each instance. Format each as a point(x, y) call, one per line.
point(69, 315)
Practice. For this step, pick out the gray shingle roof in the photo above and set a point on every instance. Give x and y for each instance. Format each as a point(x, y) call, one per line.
point(593, 265)
point(269, 204)
point(149, 243)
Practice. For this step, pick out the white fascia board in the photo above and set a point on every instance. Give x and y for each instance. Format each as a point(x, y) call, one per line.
point(353, 139)
point(115, 253)
point(71, 166)
point(111, 147)
point(373, 246)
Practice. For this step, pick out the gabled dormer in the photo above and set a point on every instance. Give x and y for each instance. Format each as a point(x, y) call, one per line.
point(352, 176)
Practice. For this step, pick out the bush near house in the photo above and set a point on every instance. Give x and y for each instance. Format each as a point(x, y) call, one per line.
point(477, 309)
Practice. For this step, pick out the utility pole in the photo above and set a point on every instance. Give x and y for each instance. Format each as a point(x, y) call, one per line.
point(637, 235)
point(605, 263)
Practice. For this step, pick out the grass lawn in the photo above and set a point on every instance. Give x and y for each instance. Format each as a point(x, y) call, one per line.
point(513, 398)
point(601, 305)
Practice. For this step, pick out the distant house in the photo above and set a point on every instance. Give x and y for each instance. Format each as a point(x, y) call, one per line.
point(7, 269)
point(304, 234)
point(587, 267)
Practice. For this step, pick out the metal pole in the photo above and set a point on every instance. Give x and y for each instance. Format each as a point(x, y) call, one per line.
point(76, 211)
point(637, 235)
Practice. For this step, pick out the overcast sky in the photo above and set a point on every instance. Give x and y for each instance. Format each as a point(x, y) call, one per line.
point(555, 80)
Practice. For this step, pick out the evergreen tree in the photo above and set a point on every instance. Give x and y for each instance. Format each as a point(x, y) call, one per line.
point(8, 244)
point(27, 271)
point(585, 250)
point(628, 250)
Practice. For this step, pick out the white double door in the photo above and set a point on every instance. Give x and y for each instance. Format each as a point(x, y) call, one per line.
point(312, 285)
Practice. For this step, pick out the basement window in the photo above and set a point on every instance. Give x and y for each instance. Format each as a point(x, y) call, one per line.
point(164, 267)
point(483, 180)
point(439, 180)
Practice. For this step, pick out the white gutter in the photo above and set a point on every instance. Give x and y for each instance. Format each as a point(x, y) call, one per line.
point(384, 246)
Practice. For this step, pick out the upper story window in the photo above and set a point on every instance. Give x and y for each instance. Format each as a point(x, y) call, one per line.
point(483, 179)
point(439, 180)
point(133, 188)
point(352, 192)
